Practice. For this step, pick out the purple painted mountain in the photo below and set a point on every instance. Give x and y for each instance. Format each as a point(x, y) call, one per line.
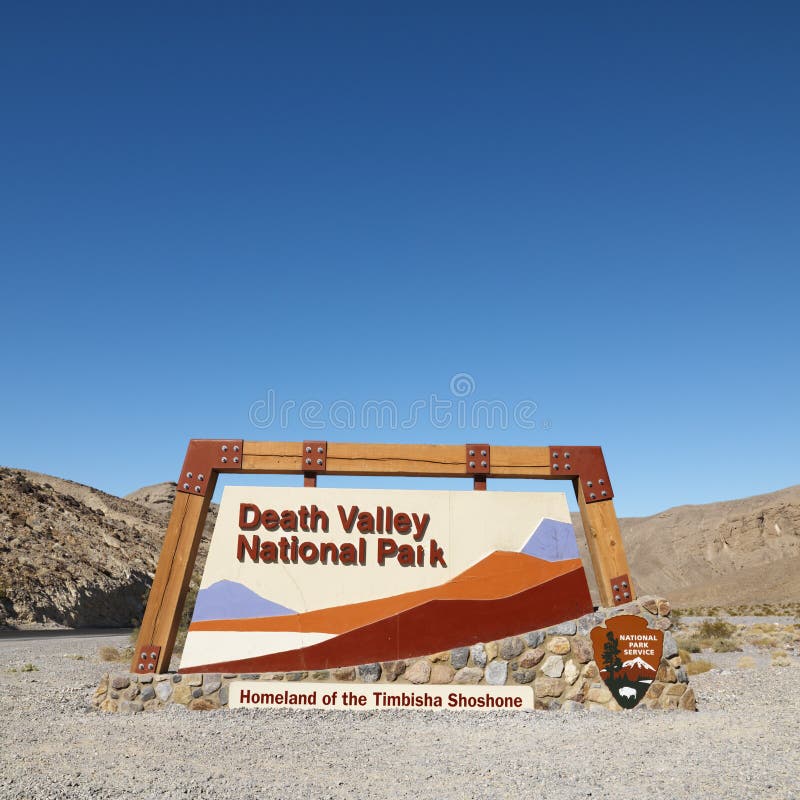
point(552, 541)
point(232, 600)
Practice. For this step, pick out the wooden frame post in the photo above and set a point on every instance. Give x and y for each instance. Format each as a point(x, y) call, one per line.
point(205, 458)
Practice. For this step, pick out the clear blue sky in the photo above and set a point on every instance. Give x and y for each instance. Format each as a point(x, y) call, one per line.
point(593, 208)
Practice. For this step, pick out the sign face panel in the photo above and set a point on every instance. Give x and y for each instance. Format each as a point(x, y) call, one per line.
point(311, 579)
point(628, 654)
point(263, 694)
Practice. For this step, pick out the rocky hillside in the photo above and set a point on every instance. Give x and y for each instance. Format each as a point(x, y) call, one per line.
point(735, 552)
point(159, 498)
point(72, 555)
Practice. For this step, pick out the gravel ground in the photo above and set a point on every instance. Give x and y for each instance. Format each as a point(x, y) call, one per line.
point(741, 744)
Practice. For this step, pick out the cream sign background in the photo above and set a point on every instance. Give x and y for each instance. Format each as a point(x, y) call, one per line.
point(466, 525)
point(473, 546)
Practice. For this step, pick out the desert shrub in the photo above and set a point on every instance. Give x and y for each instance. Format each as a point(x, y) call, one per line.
point(724, 646)
point(718, 629)
point(685, 655)
point(689, 643)
point(780, 658)
point(29, 668)
point(765, 641)
point(747, 662)
point(109, 653)
point(696, 667)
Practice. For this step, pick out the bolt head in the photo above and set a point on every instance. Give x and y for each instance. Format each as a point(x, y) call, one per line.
point(555, 455)
point(320, 450)
point(592, 496)
point(555, 466)
point(472, 464)
point(224, 460)
point(483, 452)
point(567, 466)
point(616, 588)
point(151, 667)
point(308, 449)
point(141, 666)
point(604, 493)
point(484, 464)
point(143, 655)
point(617, 598)
point(308, 461)
point(627, 594)
point(236, 448)
point(224, 448)
point(189, 475)
point(319, 462)
point(472, 452)
point(236, 459)
point(566, 455)
point(601, 482)
point(589, 484)
point(197, 488)
point(185, 485)
point(153, 655)
point(201, 477)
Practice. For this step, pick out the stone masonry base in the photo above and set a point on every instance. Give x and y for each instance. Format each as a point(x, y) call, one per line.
point(558, 662)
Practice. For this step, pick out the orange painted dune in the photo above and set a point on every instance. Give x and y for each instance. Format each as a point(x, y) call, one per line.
point(501, 574)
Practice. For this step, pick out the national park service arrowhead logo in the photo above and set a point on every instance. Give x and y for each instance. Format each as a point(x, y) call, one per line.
point(628, 655)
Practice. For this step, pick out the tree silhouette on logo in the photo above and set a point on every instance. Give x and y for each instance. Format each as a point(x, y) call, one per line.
point(611, 660)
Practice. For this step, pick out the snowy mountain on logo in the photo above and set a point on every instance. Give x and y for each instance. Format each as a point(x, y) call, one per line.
point(229, 599)
point(637, 662)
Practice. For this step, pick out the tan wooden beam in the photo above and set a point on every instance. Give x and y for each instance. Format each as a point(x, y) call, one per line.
point(173, 573)
point(443, 461)
point(601, 528)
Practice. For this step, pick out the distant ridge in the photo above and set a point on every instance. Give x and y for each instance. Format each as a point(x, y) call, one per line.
point(734, 552)
point(728, 553)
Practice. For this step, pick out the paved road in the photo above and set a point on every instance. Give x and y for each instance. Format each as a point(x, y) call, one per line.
point(7, 635)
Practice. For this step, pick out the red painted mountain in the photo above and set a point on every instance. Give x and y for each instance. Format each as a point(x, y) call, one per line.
point(504, 594)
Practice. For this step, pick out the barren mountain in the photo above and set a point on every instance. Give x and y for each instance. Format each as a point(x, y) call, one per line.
point(75, 556)
point(159, 498)
point(735, 552)
point(72, 555)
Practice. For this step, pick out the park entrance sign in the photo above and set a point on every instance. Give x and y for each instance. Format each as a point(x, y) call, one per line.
point(308, 578)
point(315, 579)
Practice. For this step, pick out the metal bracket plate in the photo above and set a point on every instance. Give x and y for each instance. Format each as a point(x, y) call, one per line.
point(478, 459)
point(148, 658)
point(587, 466)
point(315, 456)
point(621, 590)
point(204, 456)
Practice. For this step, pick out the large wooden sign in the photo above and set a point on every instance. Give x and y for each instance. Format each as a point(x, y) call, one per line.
point(205, 459)
point(300, 579)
